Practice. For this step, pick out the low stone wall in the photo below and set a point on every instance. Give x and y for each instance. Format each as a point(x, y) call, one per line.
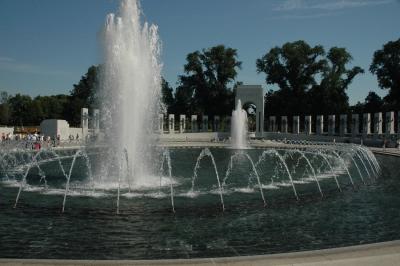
point(6, 130)
point(383, 254)
point(195, 137)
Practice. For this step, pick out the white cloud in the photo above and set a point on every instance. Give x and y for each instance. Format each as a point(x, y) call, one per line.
point(291, 5)
point(305, 16)
point(6, 59)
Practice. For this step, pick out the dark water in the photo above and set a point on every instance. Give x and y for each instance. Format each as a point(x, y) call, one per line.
point(146, 228)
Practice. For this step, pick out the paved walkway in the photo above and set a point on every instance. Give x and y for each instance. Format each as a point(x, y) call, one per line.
point(386, 151)
point(381, 254)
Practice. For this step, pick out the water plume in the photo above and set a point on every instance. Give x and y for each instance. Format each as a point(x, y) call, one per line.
point(130, 91)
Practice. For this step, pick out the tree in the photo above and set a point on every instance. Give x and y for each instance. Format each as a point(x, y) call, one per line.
point(53, 107)
point(207, 75)
point(293, 67)
point(386, 66)
point(330, 95)
point(5, 110)
point(21, 106)
point(83, 95)
point(167, 97)
point(373, 103)
point(184, 100)
point(309, 81)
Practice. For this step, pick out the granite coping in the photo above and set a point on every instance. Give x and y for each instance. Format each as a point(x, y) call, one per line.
point(382, 254)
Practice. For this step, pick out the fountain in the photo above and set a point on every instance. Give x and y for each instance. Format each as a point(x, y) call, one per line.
point(130, 93)
point(133, 198)
point(239, 127)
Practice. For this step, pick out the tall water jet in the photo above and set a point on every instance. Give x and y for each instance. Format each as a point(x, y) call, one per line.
point(130, 91)
point(239, 127)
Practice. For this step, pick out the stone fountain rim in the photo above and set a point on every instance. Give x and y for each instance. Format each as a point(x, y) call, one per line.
point(384, 253)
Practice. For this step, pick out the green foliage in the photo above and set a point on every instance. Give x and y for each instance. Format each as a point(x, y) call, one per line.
point(204, 87)
point(386, 66)
point(82, 96)
point(309, 80)
point(166, 93)
point(293, 67)
point(330, 95)
point(5, 111)
point(22, 110)
point(373, 103)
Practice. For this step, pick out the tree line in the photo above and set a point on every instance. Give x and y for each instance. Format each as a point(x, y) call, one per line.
point(308, 80)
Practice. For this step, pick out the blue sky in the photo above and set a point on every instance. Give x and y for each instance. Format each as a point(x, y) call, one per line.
point(47, 45)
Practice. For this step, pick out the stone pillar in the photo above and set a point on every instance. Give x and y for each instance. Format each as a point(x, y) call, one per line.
point(284, 124)
point(272, 124)
point(377, 124)
point(161, 123)
point(205, 123)
point(85, 118)
point(171, 124)
point(84, 122)
point(216, 123)
point(307, 125)
point(366, 124)
point(343, 125)
point(331, 125)
point(182, 123)
point(260, 121)
point(320, 125)
point(389, 128)
point(296, 124)
point(355, 125)
point(194, 123)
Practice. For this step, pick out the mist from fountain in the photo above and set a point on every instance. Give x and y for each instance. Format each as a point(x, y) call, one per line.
point(239, 127)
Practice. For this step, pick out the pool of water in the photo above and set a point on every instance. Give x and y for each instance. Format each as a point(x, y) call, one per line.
point(147, 228)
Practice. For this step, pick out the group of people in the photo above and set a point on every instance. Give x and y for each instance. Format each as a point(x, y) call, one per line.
point(72, 138)
point(30, 141)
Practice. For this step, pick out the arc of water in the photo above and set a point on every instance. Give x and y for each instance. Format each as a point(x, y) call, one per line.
point(161, 171)
point(363, 163)
point(203, 153)
point(89, 170)
point(258, 178)
point(288, 172)
point(344, 165)
point(128, 169)
point(312, 170)
point(370, 158)
point(35, 162)
point(362, 152)
point(168, 158)
point(274, 152)
point(373, 159)
point(42, 175)
point(333, 173)
point(358, 169)
point(68, 179)
point(119, 186)
point(247, 156)
point(228, 171)
point(23, 181)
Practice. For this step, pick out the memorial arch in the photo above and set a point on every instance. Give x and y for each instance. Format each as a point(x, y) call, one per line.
point(253, 94)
